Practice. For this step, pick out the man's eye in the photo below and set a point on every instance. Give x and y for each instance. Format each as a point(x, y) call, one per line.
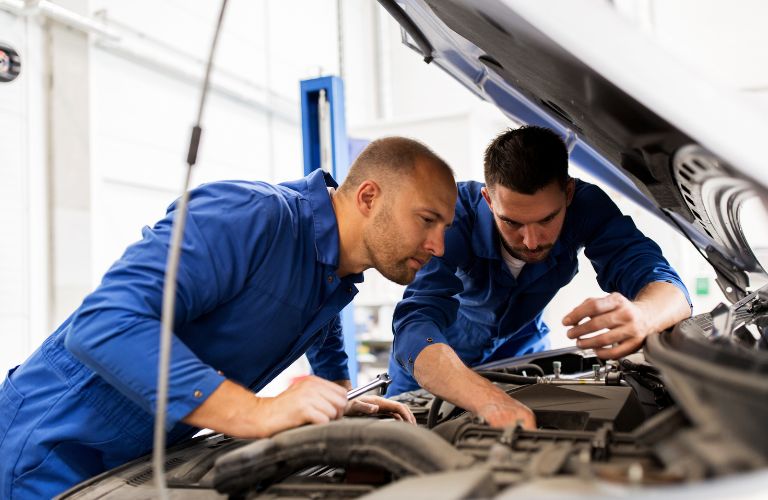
point(427, 220)
point(511, 223)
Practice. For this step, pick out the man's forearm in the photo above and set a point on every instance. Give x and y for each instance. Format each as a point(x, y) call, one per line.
point(664, 305)
point(234, 410)
point(440, 371)
point(229, 409)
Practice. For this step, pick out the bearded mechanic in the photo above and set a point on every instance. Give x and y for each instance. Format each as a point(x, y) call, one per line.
point(265, 270)
point(513, 244)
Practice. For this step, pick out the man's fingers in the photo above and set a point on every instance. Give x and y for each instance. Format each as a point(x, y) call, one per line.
point(394, 408)
point(326, 407)
point(324, 397)
point(411, 418)
point(592, 307)
point(315, 416)
point(529, 423)
point(389, 406)
point(506, 412)
point(604, 339)
point(597, 323)
point(333, 393)
point(621, 350)
point(361, 407)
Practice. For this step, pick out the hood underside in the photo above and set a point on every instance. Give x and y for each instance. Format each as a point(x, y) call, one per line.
point(645, 142)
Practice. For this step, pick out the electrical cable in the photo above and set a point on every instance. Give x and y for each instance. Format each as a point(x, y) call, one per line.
point(520, 368)
point(508, 378)
point(169, 285)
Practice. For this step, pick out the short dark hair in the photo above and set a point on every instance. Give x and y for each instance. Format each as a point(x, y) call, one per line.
point(391, 158)
point(526, 160)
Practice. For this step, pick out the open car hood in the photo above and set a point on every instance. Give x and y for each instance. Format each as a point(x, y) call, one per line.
point(681, 147)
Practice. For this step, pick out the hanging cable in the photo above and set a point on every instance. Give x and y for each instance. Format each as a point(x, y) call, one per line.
point(169, 285)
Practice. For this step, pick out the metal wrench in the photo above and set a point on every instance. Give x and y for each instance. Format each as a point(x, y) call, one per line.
point(381, 380)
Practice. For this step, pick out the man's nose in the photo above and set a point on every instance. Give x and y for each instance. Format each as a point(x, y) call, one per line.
point(530, 237)
point(435, 242)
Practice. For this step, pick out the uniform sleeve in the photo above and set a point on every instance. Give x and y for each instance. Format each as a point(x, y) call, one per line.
point(624, 259)
point(327, 356)
point(429, 305)
point(116, 331)
point(428, 308)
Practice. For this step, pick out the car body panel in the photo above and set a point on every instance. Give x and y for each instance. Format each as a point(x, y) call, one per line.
point(624, 106)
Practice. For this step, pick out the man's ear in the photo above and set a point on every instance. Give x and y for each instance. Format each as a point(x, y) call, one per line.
point(487, 195)
point(570, 189)
point(368, 194)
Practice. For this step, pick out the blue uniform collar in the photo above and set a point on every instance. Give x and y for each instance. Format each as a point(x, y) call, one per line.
point(485, 236)
point(324, 218)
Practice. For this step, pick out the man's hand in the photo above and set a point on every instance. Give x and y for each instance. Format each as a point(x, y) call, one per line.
point(371, 405)
point(439, 370)
point(504, 411)
point(311, 400)
point(626, 322)
point(658, 306)
point(234, 410)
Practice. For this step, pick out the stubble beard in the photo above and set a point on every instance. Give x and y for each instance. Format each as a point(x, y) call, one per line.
point(381, 242)
point(520, 255)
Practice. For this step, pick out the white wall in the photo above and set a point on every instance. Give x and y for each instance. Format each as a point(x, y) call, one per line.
point(142, 116)
point(84, 167)
point(23, 214)
point(108, 163)
point(14, 208)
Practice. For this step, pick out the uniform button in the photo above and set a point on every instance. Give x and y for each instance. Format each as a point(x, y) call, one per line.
point(330, 279)
point(198, 393)
point(220, 372)
point(429, 339)
point(349, 289)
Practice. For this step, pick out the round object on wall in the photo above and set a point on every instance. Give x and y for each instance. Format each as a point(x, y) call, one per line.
point(10, 63)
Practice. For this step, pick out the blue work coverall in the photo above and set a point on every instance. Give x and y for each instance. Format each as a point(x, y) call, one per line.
point(470, 300)
point(257, 288)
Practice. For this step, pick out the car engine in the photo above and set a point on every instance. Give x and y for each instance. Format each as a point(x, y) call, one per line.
point(686, 410)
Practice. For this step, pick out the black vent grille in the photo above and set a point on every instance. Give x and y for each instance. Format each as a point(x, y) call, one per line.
point(147, 475)
point(691, 167)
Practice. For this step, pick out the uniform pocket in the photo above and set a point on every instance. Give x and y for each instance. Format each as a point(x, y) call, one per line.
point(10, 401)
point(65, 465)
point(69, 463)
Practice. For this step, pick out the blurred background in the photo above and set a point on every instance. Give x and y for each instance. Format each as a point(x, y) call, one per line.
point(94, 131)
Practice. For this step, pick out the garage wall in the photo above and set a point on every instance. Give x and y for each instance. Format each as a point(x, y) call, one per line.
point(94, 133)
point(145, 96)
point(23, 240)
point(14, 206)
point(97, 150)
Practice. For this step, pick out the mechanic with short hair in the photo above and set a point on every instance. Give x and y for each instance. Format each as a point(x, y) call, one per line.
point(513, 244)
point(265, 271)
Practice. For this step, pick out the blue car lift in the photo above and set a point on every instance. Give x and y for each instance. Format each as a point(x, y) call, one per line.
point(326, 146)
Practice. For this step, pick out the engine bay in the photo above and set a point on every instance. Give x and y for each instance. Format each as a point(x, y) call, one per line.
point(613, 426)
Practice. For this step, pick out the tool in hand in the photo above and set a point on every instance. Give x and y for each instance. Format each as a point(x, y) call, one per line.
point(381, 380)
